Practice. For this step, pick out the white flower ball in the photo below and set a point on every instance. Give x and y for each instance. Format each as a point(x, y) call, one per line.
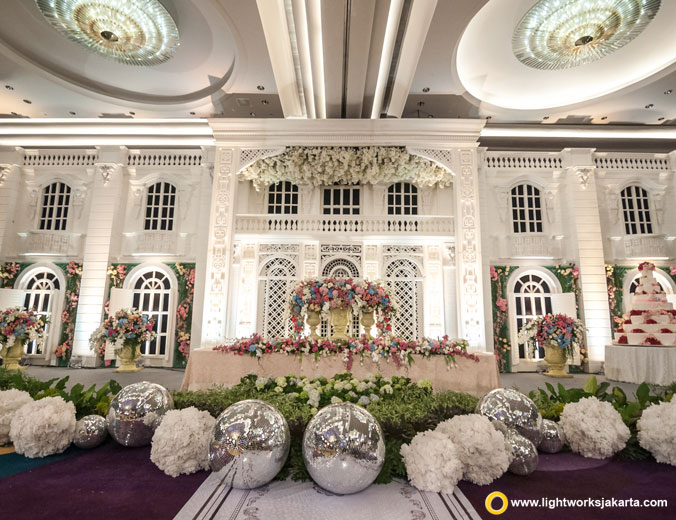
point(44, 427)
point(593, 428)
point(10, 402)
point(657, 431)
point(181, 442)
point(432, 462)
point(481, 448)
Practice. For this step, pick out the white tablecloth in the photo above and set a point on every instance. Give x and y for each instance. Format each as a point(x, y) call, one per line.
point(654, 365)
point(208, 367)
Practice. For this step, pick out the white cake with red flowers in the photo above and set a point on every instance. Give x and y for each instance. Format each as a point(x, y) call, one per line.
point(652, 319)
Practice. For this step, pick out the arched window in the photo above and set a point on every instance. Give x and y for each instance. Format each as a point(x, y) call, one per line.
point(160, 207)
point(526, 209)
point(42, 289)
point(276, 280)
point(283, 198)
point(532, 298)
point(404, 280)
point(153, 296)
point(341, 268)
point(636, 211)
point(402, 199)
point(55, 204)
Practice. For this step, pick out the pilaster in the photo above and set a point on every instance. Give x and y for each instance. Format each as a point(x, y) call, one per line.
point(10, 173)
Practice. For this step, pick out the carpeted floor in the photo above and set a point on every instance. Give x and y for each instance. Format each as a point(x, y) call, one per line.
point(113, 482)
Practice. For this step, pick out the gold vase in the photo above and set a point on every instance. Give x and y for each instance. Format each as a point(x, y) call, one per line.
point(367, 321)
point(556, 358)
point(128, 355)
point(339, 320)
point(12, 355)
point(313, 320)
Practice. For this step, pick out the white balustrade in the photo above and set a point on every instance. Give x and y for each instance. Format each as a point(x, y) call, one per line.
point(532, 245)
point(167, 243)
point(353, 224)
point(43, 243)
point(646, 246)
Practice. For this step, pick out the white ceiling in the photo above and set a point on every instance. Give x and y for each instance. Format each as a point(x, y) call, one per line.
point(338, 58)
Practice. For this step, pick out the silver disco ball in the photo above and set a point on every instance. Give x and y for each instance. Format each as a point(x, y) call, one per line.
point(343, 448)
point(553, 438)
point(90, 431)
point(136, 411)
point(524, 454)
point(514, 410)
point(249, 444)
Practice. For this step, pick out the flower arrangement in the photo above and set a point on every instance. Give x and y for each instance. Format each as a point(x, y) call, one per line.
point(8, 272)
point(594, 428)
point(117, 274)
point(125, 327)
point(343, 387)
point(17, 323)
point(381, 348)
point(346, 165)
point(566, 332)
point(646, 266)
point(322, 295)
point(657, 431)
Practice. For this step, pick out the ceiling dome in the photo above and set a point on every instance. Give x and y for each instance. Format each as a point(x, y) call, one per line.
point(138, 32)
point(559, 34)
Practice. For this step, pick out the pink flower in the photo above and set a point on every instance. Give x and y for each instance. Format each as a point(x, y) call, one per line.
point(494, 274)
point(502, 304)
point(672, 270)
point(576, 272)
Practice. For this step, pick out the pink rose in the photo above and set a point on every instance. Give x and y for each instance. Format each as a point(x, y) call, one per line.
point(502, 304)
point(576, 272)
point(494, 274)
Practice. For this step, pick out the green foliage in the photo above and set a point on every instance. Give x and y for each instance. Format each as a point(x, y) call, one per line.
point(87, 402)
point(409, 409)
point(551, 402)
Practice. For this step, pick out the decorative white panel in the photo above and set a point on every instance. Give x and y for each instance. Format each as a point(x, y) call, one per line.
point(60, 158)
point(634, 162)
point(531, 245)
point(523, 161)
point(57, 243)
point(442, 157)
point(248, 156)
point(404, 280)
point(166, 243)
point(276, 282)
point(164, 158)
point(641, 247)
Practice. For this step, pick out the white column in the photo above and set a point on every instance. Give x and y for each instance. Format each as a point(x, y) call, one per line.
point(471, 314)
point(219, 249)
point(105, 211)
point(9, 193)
point(588, 244)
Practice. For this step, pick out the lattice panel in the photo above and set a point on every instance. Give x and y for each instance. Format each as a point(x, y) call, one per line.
point(279, 275)
point(248, 156)
point(340, 268)
point(405, 284)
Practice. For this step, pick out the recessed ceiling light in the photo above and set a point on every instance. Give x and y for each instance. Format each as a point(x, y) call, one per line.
point(649, 105)
point(420, 103)
point(138, 32)
point(9, 87)
point(252, 114)
point(430, 116)
point(192, 113)
point(426, 89)
point(27, 101)
point(545, 118)
point(265, 102)
point(604, 118)
point(260, 87)
point(132, 113)
point(667, 92)
point(660, 119)
point(14, 114)
point(71, 113)
point(489, 117)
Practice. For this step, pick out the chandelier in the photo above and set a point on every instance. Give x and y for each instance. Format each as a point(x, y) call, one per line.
point(560, 34)
point(134, 32)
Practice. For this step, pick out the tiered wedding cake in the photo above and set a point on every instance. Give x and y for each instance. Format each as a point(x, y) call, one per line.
point(652, 320)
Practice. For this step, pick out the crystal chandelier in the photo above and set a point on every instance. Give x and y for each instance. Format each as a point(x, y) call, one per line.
point(134, 32)
point(560, 34)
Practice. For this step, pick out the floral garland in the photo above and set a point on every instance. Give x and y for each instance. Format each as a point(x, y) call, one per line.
point(566, 332)
point(185, 273)
point(322, 295)
point(346, 165)
point(382, 348)
point(73, 272)
point(8, 273)
point(501, 342)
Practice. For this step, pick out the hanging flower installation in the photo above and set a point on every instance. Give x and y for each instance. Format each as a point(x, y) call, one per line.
point(343, 165)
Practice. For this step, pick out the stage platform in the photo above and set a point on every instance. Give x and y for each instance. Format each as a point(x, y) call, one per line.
point(638, 363)
point(208, 367)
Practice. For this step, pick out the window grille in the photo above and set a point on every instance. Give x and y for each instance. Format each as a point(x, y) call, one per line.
point(526, 209)
point(532, 299)
point(636, 211)
point(41, 290)
point(55, 205)
point(404, 281)
point(402, 199)
point(283, 198)
point(160, 207)
point(153, 297)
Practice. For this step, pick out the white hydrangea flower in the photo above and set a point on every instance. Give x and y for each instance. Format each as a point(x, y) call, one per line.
point(180, 444)
point(336, 399)
point(374, 398)
point(363, 400)
point(42, 428)
point(657, 431)
point(387, 389)
point(281, 381)
point(480, 447)
point(10, 402)
point(593, 428)
point(432, 462)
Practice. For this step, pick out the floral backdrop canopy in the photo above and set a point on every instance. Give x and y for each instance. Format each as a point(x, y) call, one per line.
point(346, 165)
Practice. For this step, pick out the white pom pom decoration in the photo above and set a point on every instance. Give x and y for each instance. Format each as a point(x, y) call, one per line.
point(43, 427)
point(657, 431)
point(10, 402)
point(432, 462)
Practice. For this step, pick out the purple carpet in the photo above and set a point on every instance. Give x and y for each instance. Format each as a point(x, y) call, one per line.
point(570, 476)
point(109, 482)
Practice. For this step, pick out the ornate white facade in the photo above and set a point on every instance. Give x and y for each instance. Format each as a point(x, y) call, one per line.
point(148, 207)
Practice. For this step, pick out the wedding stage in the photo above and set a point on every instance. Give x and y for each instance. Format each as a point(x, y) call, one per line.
point(208, 367)
point(636, 364)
